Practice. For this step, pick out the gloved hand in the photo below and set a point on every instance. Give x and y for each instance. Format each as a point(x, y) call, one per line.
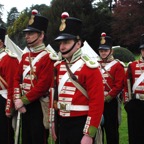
point(86, 139)
point(108, 98)
point(9, 110)
point(18, 104)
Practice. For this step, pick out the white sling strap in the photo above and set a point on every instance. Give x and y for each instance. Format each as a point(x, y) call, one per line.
point(3, 93)
point(137, 82)
point(75, 66)
point(39, 56)
point(109, 66)
point(79, 87)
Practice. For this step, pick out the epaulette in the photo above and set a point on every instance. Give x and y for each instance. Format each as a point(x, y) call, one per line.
point(56, 63)
point(122, 63)
point(89, 62)
point(52, 55)
point(11, 54)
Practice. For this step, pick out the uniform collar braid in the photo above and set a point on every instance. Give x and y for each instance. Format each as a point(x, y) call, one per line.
point(75, 56)
point(38, 48)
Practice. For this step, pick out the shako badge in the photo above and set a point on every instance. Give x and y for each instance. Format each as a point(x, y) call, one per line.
point(103, 35)
point(64, 15)
point(34, 12)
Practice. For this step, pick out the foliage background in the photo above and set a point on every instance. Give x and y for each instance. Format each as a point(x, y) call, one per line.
point(122, 20)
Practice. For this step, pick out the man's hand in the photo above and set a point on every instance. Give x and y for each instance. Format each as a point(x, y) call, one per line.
point(18, 104)
point(87, 140)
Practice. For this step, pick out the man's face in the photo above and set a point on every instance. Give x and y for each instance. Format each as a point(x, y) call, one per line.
point(66, 45)
point(32, 38)
point(104, 53)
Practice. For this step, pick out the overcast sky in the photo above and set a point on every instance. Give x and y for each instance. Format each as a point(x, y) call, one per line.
point(20, 4)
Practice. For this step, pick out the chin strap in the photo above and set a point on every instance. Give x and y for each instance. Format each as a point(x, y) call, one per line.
point(69, 49)
point(35, 39)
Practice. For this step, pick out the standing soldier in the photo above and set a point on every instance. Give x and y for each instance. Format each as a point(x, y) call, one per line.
point(134, 98)
point(34, 75)
point(8, 65)
point(113, 80)
point(80, 89)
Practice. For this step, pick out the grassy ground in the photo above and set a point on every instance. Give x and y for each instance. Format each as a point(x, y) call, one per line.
point(123, 130)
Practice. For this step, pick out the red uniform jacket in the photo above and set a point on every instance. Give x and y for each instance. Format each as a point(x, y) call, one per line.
point(113, 79)
point(36, 84)
point(91, 81)
point(8, 66)
point(135, 69)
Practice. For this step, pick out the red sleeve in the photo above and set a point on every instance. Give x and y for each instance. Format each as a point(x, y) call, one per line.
point(94, 87)
point(9, 69)
point(118, 81)
point(45, 75)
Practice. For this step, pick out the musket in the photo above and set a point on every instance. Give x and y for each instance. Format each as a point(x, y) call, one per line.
point(18, 122)
point(56, 117)
point(53, 113)
point(51, 116)
point(17, 128)
point(129, 80)
point(129, 89)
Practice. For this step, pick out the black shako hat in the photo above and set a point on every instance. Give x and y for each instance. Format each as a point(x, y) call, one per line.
point(141, 42)
point(105, 42)
point(2, 33)
point(70, 28)
point(37, 23)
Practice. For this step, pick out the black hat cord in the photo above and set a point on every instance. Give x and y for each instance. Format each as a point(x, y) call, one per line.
point(70, 48)
point(35, 39)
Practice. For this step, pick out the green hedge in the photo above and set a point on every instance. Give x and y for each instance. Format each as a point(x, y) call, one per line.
point(123, 54)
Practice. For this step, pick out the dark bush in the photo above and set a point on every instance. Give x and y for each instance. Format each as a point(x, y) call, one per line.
point(123, 54)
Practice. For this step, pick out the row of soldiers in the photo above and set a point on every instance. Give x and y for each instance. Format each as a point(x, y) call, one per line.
point(83, 94)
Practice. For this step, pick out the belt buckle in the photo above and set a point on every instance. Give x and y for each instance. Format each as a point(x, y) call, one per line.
point(63, 106)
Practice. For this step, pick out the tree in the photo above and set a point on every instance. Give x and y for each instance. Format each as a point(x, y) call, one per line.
point(92, 17)
point(128, 23)
point(1, 21)
point(15, 30)
point(96, 19)
point(1, 8)
point(12, 16)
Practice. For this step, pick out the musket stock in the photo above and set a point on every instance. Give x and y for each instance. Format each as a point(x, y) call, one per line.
point(51, 116)
point(18, 122)
point(129, 89)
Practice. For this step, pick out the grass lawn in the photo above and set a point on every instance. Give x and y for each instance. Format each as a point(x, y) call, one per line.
point(123, 130)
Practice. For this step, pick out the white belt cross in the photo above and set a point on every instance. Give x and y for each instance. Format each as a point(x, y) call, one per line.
point(69, 107)
point(65, 77)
